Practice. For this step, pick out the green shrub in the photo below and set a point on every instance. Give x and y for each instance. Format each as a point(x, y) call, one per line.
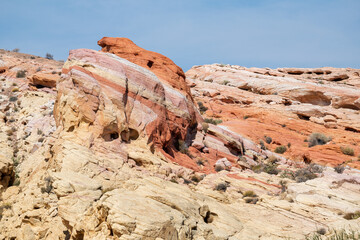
point(262, 145)
point(318, 139)
point(202, 108)
point(213, 121)
point(183, 148)
point(268, 140)
point(347, 151)
point(249, 194)
point(13, 99)
point(49, 56)
point(270, 168)
point(219, 168)
point(225, 82)
point(280, 149)
point(21, 74)
point(339, 169)
point(351, 216)
point(221, 187)
point(205, 127)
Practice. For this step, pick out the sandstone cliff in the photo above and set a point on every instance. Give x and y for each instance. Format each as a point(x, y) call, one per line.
point(120, 151)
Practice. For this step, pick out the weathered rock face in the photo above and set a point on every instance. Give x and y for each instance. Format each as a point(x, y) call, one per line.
point(95, 175)
point(285, 104)
point(161, 66)
point(110, 98)
point(44, 79)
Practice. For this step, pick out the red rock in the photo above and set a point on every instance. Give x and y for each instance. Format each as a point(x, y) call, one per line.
point(44, 79)
point(160, 65)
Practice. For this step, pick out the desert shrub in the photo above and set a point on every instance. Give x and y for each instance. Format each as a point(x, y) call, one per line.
point(173, 180)
point(246, 117)
point(335, 235)
point(270, 168)
point(13, 99)
point(49, 56)
point(200, 162)
point(283, 185)
point(221, 187)
point(15, 89)
point(318, 139)
point(219, 168)
point(289, 145)
point(16, 50)
point(280, 149)
point(183, 148)
point(195, 178)
point(262, 145)
point(339, 169)
point(347, 151)
point(48, 185)
point(32, 57)
point(268, 140)
point(351, 216)
point(21, 74)
point(249, 194)
point(321, 231)
point(205, 127)
point(38, 69)
point(225, 82)
point(302, 175)
point(202, 108)
point(213, 121)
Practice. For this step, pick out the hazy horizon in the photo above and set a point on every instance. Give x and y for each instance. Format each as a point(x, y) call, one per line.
point(260, 33)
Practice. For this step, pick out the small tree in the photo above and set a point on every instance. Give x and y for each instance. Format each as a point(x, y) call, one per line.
point(49, 56)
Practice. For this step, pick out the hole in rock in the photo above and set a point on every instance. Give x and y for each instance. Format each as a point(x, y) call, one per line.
point(38, 86)
point(150, 64)
point(2, 71)
point(128, 135)
point(209, 218)
point(110, 132)
point(303, 117)
point(71, 129)
point(349, 106)
point(351, 129)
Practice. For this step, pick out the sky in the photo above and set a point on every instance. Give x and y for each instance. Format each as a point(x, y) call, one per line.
point(250, 33)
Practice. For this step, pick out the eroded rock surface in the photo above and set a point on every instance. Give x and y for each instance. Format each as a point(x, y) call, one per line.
point(123, 154)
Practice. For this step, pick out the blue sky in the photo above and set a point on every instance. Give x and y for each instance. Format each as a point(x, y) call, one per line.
point(260, 33)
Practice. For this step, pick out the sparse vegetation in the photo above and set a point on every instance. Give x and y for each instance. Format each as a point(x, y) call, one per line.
point(205, 127)
point(49, 56)
point(351, 216)
point(321, 231)
point(202, 108)
point(335, 235)
point(318, 139)
point(268, 140)
point(262, 145)
point(270, 168)
point(339, 169)
point(13, 99)
point(48, 185)
point(347, 151)
point(219, 168)
point(16, 50)
point(225, 82)
point(249, 194)
point(213, 121)
point(246, 117)
point(221, 187)
point(21, 74)
point(280, 149)
point(183, 148)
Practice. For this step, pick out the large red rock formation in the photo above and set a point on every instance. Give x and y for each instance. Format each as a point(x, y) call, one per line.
point(160, 65)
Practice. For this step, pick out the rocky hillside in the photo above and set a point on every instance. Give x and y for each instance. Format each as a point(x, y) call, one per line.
point(118, 147)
